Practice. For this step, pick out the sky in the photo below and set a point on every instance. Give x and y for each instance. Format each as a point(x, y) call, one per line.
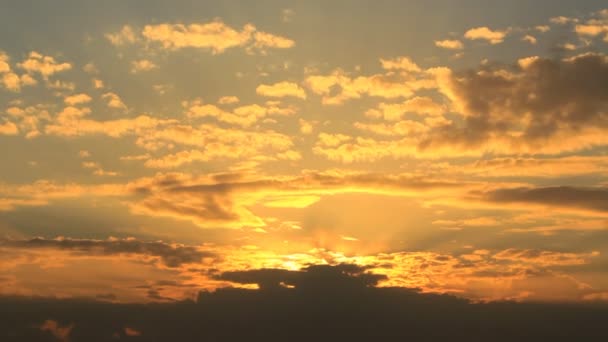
point(148, 148)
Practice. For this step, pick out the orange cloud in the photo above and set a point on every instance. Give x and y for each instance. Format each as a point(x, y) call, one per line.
point(281, 89)
point(484, 33)
point(451, 44)
point(44, 65)
point(215, 35)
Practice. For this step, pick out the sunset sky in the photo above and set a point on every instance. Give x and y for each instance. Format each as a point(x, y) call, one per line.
point(458, 147)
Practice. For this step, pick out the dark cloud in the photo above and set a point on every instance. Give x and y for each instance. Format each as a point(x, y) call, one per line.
point(539, 99)
point(559, 196)
point(328, 303)
point(170, 255)
point(340, 276)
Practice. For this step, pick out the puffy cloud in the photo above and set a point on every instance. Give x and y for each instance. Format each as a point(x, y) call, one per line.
point(11, 80)
point(331, 140)
point(44, 65)
point(142, 65)
point(9, 128)
point(530, 39)
point(281, 89)
point(125, 36)
point(4, 62)
point(338, 86)
point(306, 127)
point(70, 125)
point(216, 143)
point(224, 100)
point(561, 20)
point(544, 106)
point(245, 116)
point(451, 44)
point(263, 40)
point(77, 99)
point(487, 34)
point(215, 35)
point(542, 28)
point(418, 105)
point(98, 170)
point(400, 63)
point(595, 26)
point(114, 101)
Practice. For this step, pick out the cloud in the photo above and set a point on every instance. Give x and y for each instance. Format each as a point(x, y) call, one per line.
point(487, 34)
point(244, 116)
point(98, 170)
point(451, 44)
point(419, 105)
point(77, 99)
point(9, 128)
point(263, 40)
point(534, 167)
point(126, 35)
point(44, 65)
point(306, 127)
point(71, 126)
point(317, 277)
point(287, 15)
point(61, 333)
point(590, 198)
point(132, 332)
point(171, 255)
point(400, 81)
point(9, 79)
point(142, 65)
point(114, 101)
point(215, 36)
point(543, 258)
point(281, 89)
point(224, 100)
point(561, 20)
point(519, 111)
point(400, 63)
point(530, 39)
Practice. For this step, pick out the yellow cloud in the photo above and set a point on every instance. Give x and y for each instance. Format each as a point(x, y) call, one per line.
point(125, 36)
point(245, 115)
point(9, 128)
point(44, 65)
point(281, 89)
point(400, 63)
point(77, 99)
point(114, 101)
point(451, 44)
point(484, 33)
point(224, 100)
point(142, 65)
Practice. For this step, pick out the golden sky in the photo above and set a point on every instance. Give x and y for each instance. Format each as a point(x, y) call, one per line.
point(457, 147)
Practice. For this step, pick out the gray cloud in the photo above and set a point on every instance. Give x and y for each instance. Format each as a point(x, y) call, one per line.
point(530, 103)
point(170, 255)
point(559, 196)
